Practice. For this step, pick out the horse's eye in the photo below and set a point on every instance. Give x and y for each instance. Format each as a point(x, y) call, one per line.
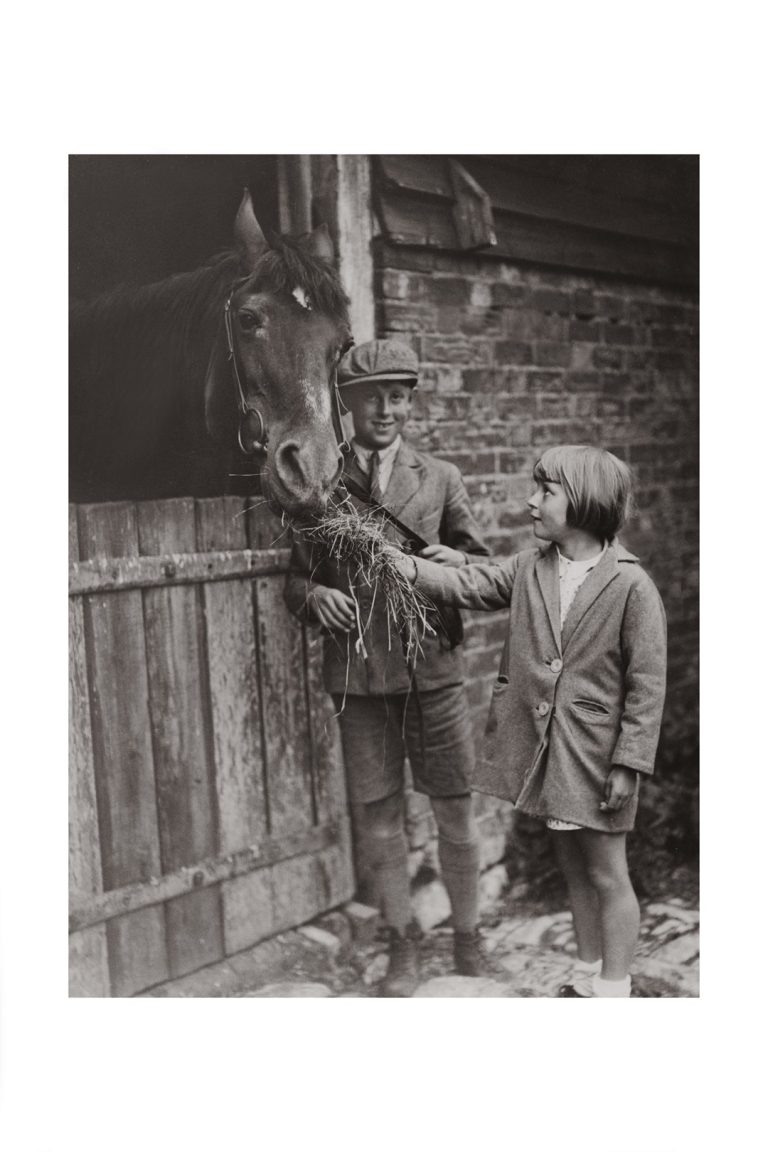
point(248, 321)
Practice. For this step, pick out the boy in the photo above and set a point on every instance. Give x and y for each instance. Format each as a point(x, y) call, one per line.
point(384, 712)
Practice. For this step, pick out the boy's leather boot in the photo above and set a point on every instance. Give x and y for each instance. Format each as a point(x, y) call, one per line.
point(402, 975)
point(469, 958)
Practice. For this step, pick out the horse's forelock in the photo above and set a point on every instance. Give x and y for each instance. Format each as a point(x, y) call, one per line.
point(288, 265)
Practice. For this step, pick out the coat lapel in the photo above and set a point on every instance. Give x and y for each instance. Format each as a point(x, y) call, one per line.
point(406, 479)
point(601, 575)
point(548, 576)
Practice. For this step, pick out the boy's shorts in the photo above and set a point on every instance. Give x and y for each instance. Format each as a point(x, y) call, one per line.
point(432, 727)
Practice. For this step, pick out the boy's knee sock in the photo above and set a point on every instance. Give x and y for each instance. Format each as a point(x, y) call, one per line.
point(388, 856)
point(460, 868)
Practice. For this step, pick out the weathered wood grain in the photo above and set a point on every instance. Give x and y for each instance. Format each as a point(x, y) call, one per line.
point(577, 190)
point(124, 769)
point(420, 222)
point(284, 711)
point(117, 574)
point(88, 963)
point(203, 875)
point(237, 731)
point(181, 735)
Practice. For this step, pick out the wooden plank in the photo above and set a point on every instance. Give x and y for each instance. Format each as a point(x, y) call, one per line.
point(237, 735)
point(265, 531)
point(421, 223)
point(181, 738)
point(118, 574)
point(329, 784)
point(203, 876)
point(355, 229)
point(88, 960)
point(284, 711)
point(607, 193)
point(472, 214)
point(124, 769)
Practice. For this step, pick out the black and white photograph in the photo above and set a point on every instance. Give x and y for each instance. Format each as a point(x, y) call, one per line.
point(384, 383)
point(383, 576)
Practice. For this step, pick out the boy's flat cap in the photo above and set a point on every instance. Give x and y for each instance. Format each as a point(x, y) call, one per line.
point(379, 360)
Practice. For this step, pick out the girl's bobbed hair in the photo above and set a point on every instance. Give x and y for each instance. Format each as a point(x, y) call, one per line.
point(597, 484)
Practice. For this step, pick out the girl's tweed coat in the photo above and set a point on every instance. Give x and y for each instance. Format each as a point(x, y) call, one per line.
point(565, 709)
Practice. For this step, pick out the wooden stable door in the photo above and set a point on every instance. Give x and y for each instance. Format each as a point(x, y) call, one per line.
point(207, 800)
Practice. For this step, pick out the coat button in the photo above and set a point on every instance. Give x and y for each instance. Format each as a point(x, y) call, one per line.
point(556, 665)
point(542, 708)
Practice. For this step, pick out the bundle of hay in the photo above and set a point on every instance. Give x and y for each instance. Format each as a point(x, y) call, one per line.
point(357, 541)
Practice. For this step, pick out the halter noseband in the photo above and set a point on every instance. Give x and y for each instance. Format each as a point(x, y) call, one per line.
point(259, 442)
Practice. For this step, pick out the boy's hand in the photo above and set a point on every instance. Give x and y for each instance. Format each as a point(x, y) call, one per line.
point(442, 554)
point(332, 608)
point(619, 788)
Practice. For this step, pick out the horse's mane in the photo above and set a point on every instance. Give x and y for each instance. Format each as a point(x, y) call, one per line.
point(289, 264)
point(182, 312)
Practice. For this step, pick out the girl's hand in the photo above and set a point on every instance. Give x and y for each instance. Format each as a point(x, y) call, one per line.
point(442, 554)
point(333, 608)
point(619, 788)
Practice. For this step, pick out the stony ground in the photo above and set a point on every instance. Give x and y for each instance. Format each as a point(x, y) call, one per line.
point(528, 935)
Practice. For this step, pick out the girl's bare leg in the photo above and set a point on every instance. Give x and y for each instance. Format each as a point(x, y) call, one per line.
point(605, 855)
point(582, 896)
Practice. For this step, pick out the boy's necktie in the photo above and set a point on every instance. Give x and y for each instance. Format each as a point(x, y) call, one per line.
point(375, 490)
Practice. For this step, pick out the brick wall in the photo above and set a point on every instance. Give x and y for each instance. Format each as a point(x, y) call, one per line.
point(515, 359)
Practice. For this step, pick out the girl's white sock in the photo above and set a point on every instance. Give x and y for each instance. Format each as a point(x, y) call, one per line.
point(583, 971)
point(602, 987)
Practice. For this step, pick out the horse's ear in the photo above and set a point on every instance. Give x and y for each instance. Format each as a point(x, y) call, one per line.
point(320, 244)
point(219, 408)
point(249, 239)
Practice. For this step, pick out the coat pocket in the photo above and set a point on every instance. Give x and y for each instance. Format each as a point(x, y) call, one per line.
point(592, 711)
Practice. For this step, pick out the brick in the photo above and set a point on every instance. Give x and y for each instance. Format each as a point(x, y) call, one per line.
point(583, 382)
point(456, 350)
point(448, 290)
point(588, 332)
point(545, 381)
point(397, 285)
point(613, 307)
point(583, 304)
point(608, 357)
point(550, 300)
point(512, 352)
point(480, 294)
point(618, 334)
point(555, 406)
point(614, 382)
point(583, 356)
point(552, 355)
point(515, 407)
point(406, 317)
point(525, 324)
point(510, 294)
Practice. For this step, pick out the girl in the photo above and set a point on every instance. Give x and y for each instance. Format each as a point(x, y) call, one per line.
point(577, 705)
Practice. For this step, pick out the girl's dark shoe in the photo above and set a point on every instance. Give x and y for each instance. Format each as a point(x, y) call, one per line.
point(402, 976)
point(569, 990)
point(469, 958)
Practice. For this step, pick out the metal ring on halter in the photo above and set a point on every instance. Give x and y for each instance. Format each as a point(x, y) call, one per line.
point(260, 441)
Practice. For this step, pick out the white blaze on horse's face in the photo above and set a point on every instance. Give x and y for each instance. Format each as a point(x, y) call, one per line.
point(287, 354)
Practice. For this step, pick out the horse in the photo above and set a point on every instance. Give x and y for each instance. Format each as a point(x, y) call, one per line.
point(168, 378)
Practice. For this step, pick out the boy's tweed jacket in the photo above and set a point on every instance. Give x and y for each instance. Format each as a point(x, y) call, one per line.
point(429, 496)
point(566, 709)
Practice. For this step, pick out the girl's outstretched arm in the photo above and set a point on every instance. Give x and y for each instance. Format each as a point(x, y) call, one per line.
point(484, 587)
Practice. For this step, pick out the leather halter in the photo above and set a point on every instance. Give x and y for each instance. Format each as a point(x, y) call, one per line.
point(260, 441)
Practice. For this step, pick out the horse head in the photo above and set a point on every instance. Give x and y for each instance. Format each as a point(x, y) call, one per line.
point(271, 380)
